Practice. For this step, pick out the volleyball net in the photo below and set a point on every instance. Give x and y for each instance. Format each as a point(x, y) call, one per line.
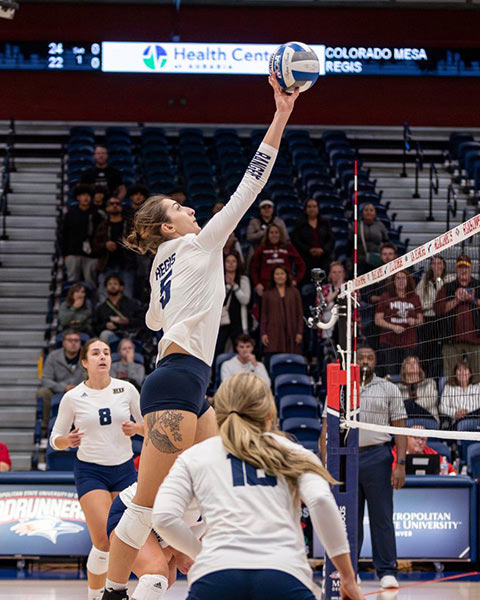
point(417, 318)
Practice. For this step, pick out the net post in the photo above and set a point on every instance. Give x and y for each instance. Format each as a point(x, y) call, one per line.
point(342, 463)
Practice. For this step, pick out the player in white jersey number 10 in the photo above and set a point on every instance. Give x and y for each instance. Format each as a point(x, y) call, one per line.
point(247, 482)
point(187, 294)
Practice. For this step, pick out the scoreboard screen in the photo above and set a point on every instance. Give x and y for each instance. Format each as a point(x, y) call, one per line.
point(51, 56)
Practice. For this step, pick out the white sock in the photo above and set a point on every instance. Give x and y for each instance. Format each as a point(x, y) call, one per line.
point(95, 594)
point(113, 586)
point(150, 587)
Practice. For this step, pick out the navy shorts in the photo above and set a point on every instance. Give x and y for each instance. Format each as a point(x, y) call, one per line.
point(90, 476)
point(249, 584)
point(116, 511)
point(179, 382)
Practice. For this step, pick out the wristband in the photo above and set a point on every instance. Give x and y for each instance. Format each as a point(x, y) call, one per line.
point(401, 461)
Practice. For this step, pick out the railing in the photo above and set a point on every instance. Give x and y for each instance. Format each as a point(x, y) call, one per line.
point(408, 144)
point(433, 187)
point(8, 166)
point(451, 205)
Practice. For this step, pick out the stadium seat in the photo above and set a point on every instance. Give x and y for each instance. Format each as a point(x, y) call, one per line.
point(468, 424)
point(287, 363)
point(221, 358)
point(426, 422)
point(298, 405)
point(473, 460)
point(303, 429)
point(60, 460)
point(292, 384)
point(54, 404)
point(441, 447)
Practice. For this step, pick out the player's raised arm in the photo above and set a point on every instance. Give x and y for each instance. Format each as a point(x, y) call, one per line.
point(217, 230)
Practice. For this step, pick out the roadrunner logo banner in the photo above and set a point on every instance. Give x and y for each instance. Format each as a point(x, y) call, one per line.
point(42, 521)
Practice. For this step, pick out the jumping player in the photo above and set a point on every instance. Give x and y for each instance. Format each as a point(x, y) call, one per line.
point(156, 563)
point(100, 410)
point(188, 291)
point(247, 482)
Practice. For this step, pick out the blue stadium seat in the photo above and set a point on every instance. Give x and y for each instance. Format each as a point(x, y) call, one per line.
point(221, 358)
point(473, 460)
point(292, 384)
point(60, 460)
point(426, 422)
point(468, 424)
point(54, 404)
point(287, 363)
point(441, 447)
point(303, 429)
point(298, 405)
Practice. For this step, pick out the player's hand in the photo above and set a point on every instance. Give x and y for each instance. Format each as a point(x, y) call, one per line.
point(398, 477)
point(183, 561)
point(74, 438)
point(283, 101)
point(350, 591)
point(128, 428)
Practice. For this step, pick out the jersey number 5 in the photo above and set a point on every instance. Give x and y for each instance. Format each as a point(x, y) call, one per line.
point(105, 416)
point(238, 469)
point(165, 284)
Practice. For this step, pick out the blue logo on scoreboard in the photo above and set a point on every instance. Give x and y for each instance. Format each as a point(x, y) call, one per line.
point(154, 57)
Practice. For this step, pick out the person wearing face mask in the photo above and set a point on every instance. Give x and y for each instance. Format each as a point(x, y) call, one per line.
point(372, 234)
point(458, 303)
point(99, 409)
point(380, 404)
point(80, 246)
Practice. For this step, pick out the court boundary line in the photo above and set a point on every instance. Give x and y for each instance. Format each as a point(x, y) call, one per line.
point(418, 583)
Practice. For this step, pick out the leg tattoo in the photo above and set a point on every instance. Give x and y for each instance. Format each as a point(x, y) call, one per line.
point(157, 424)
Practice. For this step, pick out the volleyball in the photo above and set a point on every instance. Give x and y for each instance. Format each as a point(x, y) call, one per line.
point(296, 66)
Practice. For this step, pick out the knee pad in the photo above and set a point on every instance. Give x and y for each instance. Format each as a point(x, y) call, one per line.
point(135, 526)
point(150, 587)
point(97, 562)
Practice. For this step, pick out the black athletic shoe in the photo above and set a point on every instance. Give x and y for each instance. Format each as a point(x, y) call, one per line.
point(115, 595)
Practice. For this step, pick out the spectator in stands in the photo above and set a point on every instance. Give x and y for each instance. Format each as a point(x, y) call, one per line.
point(419, 393)
point(313, 238)
point(100, 195)
point(118, 315)
point(430, 333)
point(139, 263)
point(75, 312)
point(388, 252)
point(104, 174)
point(80, 244)
point(417, 444)
point(116, 258)
point(126, 368)
point(257, 227)
point(178, 194)
point(244, 361)
point(62, 371)
point(398, 315)
point(282, 314)
point(330, 291)
point(137, 194)
point(372, 234)
point(217, 207)
point(274, 250)
point(458, 304)
point(233, 245)
point(234, 319)
point(5, 461)
point(380, 404)
point(461, 394)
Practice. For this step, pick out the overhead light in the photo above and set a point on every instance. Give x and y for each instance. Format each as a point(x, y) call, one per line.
point(8, 8)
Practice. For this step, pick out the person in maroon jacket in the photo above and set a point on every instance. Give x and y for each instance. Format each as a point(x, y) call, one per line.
point(273, 251)
point(5, 462)
point(399, 313)
point(282, 314)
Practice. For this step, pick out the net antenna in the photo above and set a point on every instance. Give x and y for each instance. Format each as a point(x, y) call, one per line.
point(430, 341)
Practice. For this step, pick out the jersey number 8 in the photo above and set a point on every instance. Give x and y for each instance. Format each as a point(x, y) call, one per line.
point(105, 416)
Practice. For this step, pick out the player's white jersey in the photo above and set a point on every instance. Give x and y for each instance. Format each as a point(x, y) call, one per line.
point(99, 415)
point(251, 521)
point(187, 280)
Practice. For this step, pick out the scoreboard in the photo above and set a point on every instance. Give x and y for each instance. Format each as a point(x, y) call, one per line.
point(50, 56)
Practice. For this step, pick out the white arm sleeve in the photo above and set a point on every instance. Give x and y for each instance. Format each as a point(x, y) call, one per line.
point(216, 231)
point(134, 397)
point(150, 320)
point(64, 420)
point(173, 498)
point(326, 519)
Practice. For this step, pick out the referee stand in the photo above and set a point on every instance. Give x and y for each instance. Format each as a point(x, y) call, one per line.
point(342, 463)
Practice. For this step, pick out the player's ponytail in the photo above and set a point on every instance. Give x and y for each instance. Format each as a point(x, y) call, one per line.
point(243, 405)
point(146, 235)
